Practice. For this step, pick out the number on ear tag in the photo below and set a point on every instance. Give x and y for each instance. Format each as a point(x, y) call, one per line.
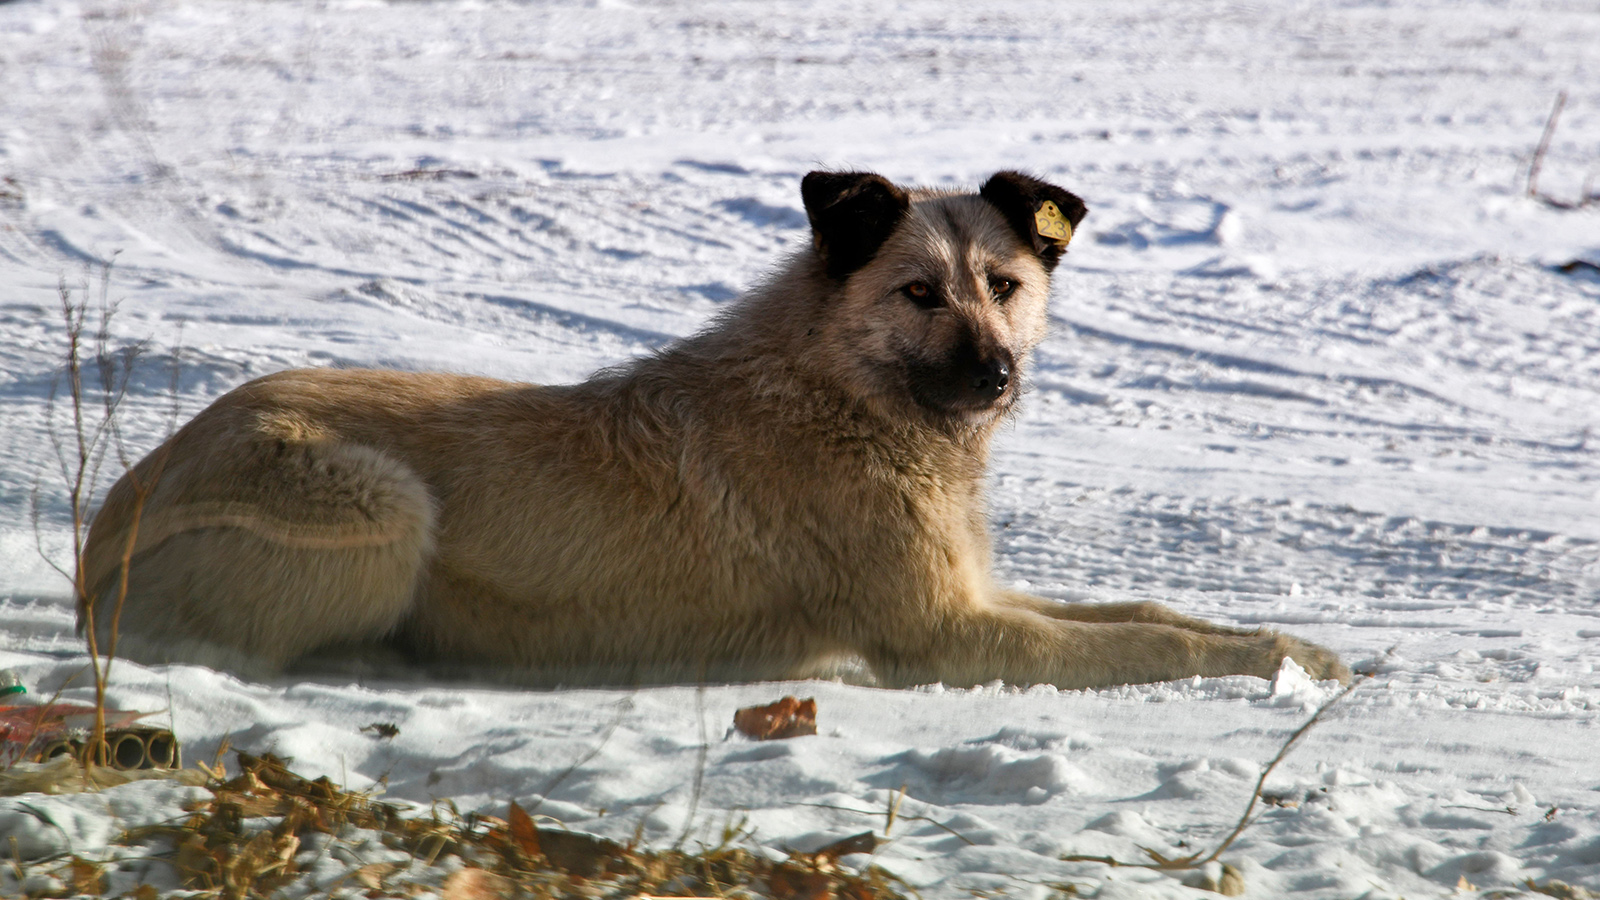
point(1050, 223)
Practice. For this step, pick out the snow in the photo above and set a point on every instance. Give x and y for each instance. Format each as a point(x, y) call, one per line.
point(1314, 366)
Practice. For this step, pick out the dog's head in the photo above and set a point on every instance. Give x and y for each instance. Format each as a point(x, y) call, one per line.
point(940, 296)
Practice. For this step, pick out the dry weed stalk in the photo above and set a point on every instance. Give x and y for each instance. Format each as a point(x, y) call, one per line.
point(701, 756)
point(94, 410)
point(623, 708)
point(1586, 196)
point(1199, 859)
point(897, 815)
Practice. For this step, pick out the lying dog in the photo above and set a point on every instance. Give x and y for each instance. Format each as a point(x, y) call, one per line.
point(801, 482)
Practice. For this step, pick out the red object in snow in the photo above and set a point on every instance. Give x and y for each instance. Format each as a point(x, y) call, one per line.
point(26, 729)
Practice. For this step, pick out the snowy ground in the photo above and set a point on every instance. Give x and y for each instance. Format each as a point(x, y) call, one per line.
point(1315, 366)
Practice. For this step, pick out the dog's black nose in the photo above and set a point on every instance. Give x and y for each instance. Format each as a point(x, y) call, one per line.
point(989, 378)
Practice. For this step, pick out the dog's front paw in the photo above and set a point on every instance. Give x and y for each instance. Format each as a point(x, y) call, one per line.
point(1320, 663)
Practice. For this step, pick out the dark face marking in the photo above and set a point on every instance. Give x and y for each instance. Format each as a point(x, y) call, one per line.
point(973, 376)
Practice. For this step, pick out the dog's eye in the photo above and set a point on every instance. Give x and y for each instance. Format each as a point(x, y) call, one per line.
point(919, 293)
point(1002, 287)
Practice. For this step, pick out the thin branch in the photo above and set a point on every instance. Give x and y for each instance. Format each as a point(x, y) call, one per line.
point(1585, 197)
point(35, 503)
point(80, 452)
point(1255, 795)
point(905, 816)
point(1195, 860)
point(622, 710)
point(1544, 144)
point(700, 761)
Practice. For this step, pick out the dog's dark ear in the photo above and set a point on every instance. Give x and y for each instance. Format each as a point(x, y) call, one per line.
point(1043, 215)
point(852, 214)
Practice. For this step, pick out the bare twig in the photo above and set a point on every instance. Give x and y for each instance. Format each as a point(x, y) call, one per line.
point(1195, 860)
point(94, 409)
point(1255, 795)
point(894, 810)
point(564, 774)
point(700, 763)
point(909, 818)
point(1544, 144)
point(1585, 197)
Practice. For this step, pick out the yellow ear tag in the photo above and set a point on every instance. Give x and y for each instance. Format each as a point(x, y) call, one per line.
point(1050, 223)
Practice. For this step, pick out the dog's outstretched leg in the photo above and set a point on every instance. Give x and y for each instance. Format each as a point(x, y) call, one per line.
point(1145, 611)
point(1020, 646)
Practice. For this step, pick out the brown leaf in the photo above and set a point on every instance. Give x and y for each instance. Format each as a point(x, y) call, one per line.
point(865, 842)
point(146, 892)
point(372, 875)
point(785, 719)
point(265, 861)
point(1560, 890)
point(383, 730)
point(251, 807)
point(87, 877)
point(579, 854)
point(196, 866)
point(523, 834)
point(788, 883)
point(476, 884)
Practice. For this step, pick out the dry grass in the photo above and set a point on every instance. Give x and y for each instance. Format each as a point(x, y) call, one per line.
point(246, 842)
point(254, 838)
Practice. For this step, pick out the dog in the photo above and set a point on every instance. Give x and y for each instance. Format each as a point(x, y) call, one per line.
point(800, 483)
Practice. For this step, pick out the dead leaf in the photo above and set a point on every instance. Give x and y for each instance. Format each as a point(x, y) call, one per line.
point(372, 875)
point(523, 834)
point(222, 848)
point(577, 853)
point(196, 866)
point(266, 861)
point(1463, 884)
point(1560, 890)
point(789, 884)
point(87, 877)
point(865, 842)
point(382, 730)
point(785, 719)
point(251, 807)
point(476, 884)
point(146, 892)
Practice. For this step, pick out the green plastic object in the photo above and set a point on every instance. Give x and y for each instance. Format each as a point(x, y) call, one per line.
point(10, 683)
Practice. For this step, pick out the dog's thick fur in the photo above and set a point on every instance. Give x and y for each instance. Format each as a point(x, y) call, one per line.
point(801, 482)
